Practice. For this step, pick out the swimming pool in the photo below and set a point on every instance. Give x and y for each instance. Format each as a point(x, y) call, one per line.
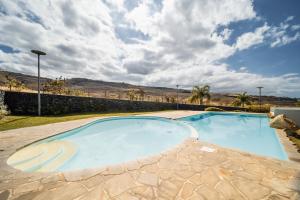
point(246, 132)
point(101, 143)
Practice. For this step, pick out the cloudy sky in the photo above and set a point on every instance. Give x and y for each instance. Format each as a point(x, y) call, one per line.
point(232, 45)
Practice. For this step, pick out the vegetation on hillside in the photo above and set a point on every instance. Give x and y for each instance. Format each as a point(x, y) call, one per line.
point(136, 94)
point(242, 100)
point(14, 84)
point(214, 109)
point(58, 86)
point(199, 94)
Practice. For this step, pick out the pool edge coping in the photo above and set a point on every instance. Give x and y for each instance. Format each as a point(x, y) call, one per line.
point(289, 147)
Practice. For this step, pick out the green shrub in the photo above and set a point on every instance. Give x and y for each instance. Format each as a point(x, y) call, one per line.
point(3, 108)
point(214, 109)
point(256, 108)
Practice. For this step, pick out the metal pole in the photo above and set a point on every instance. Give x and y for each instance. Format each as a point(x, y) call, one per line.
point(39, 94)
point(177, 97)
point(38, 53)
point(259, 88)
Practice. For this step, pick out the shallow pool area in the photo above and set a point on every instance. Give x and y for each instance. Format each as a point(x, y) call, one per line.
point(247, 132)
point(101, 143)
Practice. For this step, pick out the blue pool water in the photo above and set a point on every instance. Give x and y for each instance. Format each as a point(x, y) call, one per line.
point(250, 133)
point(116, 140)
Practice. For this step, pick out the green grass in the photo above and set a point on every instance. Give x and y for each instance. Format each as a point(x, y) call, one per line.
point(13, 122)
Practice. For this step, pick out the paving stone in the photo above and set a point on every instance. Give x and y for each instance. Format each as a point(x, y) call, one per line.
point(148, 179)
point(119, 184)
point(68, 191)
point(167, 189)
point(208, 193)
point(252, 189)
point(4, 195)
point(27, 196)
point(187, 190)
point(96, 193)
point(28, 187)
point(228, 191)
point(209, 178)
point(277, 197)
point(196, 179)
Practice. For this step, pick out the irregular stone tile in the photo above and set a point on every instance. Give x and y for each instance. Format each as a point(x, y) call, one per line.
point(96, 193)
point(196, 179)
point(208, 193)
point(114, 170)
point(52, 178)
point(187, 190)
point(82, 174)
point(150, 168)
point(133, 165)
point(143, 192)
point(28, 187)
point(228, 191)
point(119, 184)
point(277, 197)
point(251, 189)
point(277, 185)
point(209, 178)
point(167, 190)
point(185, 173)
point(27, 196)
point(4, 195)
point(148, 179)
point(196, 197)
point(126, 196)
point(68, 191)
point(94, 181)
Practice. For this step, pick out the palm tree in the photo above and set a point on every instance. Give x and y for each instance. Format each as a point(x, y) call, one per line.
point(131, 94)
point(242, 99)
point(199, 93)
point(141, 94)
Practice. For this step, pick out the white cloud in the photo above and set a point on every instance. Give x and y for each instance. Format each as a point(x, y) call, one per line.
point(177, 41)
point(252, 38)
point(274, 35)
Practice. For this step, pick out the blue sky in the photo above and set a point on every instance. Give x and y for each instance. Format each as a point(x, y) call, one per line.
point(232, 45)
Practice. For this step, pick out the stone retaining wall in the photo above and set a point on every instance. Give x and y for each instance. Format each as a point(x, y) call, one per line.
point(26, 104)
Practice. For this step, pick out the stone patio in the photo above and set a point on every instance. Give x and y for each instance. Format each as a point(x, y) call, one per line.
point(185, 172)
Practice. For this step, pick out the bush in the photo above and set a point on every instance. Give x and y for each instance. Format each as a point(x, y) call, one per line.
point(3, 111)
point(256, 108)
point(3, 108)
point(214, 109)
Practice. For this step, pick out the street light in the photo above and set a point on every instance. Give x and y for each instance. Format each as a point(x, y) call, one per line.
point(177, 106)
point(259, 88)
point(39, 53)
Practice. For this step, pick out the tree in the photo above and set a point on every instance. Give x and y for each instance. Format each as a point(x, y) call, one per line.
point(12, 83)
point(131, 94)
point(141, 94)
point(242, 99)
point(56, 86)
point(199, 93)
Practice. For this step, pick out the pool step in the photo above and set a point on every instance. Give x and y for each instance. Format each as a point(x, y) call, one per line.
point(43, 157)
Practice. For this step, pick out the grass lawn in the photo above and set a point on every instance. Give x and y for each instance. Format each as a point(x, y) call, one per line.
point(13, 122)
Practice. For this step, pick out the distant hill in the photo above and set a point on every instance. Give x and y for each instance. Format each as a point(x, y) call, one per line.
point(98, 88)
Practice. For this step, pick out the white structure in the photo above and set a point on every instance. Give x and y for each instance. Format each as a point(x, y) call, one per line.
point(292, 113)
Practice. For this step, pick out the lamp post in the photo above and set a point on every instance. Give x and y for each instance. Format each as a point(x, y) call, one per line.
point(177, 106)
point(39, 53)
point(259, 88)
